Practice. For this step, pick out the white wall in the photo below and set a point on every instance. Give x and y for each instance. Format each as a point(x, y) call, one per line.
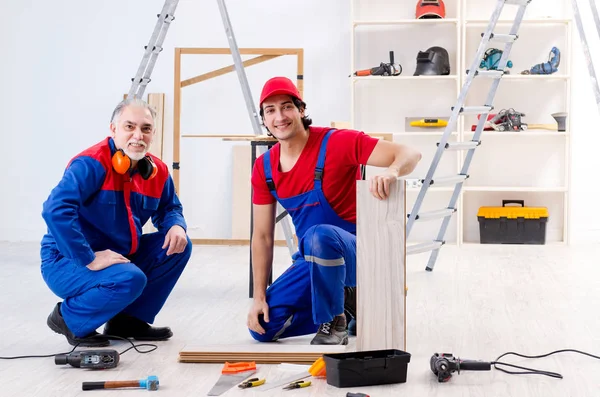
point(66, 64)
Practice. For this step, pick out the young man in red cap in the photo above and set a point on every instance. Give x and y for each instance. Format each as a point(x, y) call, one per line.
point(312, 173)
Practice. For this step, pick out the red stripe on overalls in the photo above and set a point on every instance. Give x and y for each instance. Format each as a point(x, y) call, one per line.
point(132, 229)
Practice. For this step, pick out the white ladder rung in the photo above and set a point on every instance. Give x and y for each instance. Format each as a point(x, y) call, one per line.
point(504, 38)
point(468, 145)
point(435, 214)
point(449, 180)
point(492, 74)
point(475, 109)
point(517, 2)
point(423, 247)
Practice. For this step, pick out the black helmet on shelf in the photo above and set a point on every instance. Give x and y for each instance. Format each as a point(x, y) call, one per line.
point(434, 61)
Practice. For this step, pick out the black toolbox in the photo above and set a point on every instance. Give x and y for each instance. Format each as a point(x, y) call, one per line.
point(366, 368)
point(512, 225)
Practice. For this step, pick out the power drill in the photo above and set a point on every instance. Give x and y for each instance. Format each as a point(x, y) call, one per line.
point(443, 365)
point(94, 359)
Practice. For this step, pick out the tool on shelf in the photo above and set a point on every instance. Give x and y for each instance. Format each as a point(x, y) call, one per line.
point(231, 375)
point(491, 58)
point(429, 123)
point(384, 69)
point(150, 383)
point(459, 109)
point(549, 67)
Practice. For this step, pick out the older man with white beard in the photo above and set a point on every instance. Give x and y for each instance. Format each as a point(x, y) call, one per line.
point(94, 255)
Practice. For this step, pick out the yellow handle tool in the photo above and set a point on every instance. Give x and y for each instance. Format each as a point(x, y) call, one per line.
point(429, 123)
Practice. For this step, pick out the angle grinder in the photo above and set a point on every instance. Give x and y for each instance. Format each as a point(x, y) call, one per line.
point(94, 359)
point(443, 365)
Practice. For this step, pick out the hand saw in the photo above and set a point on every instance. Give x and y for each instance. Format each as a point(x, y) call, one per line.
point(232, 374)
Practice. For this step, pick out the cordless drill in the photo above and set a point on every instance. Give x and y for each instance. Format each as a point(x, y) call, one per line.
point(443, 365)
point(94, 359)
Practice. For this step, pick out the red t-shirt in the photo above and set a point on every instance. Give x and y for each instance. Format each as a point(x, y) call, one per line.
point(346, 151)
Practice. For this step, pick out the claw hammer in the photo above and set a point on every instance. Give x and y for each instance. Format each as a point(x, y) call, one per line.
point(150, 383)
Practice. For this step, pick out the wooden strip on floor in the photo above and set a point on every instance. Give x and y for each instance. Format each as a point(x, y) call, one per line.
point(267, 353)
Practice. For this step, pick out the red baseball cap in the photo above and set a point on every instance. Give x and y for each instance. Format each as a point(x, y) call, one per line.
point(430, 9)
point(279, 86)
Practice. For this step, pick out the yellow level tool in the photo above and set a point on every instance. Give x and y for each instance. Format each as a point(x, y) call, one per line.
point(429, 123)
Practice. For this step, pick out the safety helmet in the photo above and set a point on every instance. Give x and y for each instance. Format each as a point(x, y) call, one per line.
point(434, 61)
point(430, 9)
point(279, 86)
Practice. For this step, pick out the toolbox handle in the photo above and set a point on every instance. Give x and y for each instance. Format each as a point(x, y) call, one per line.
point(522, 202)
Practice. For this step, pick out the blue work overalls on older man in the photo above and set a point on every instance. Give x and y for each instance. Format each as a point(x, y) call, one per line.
point(311, 291)
point(93, 208)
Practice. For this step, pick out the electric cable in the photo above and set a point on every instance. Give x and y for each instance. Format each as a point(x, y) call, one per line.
point(532, 371)
point(133, 346)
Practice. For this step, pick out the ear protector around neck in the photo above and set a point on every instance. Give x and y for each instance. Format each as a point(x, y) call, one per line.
point(122, 164)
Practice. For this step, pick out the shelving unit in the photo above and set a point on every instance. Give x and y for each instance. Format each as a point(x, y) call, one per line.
point(531, 165)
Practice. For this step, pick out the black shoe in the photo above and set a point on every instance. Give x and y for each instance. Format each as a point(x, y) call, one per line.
point(350, 309)
point(332, 333)
point(57, 324)
point(126, 326)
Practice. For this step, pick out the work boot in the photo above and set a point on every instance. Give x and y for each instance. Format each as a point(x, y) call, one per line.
point(126, 326)
point(350, 309)
point(57, 324)
point(332, 333)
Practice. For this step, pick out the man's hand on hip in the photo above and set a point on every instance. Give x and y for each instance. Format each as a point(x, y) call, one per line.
point(105, 259)
point(259, 306)
point(175, 239)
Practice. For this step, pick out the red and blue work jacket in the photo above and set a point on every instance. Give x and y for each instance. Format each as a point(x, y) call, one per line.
point(94, 208)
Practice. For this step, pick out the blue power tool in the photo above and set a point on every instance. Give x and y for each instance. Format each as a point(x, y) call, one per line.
point(491, 59)
point(547, 67)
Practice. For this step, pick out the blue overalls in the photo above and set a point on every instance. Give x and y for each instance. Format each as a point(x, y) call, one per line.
point(311, 291)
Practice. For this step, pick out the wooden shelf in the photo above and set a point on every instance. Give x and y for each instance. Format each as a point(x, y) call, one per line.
point(447, 21)
point(537, 96)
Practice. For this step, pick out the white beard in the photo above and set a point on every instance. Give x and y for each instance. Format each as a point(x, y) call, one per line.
point(136, 156)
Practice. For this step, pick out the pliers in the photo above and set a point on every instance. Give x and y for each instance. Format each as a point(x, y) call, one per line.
point(297, 385)
point(251, 383)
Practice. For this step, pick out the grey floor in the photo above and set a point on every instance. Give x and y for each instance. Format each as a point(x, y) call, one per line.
point(480, 302)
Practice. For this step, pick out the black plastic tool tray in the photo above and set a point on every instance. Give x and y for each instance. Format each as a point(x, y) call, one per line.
point(366, 368)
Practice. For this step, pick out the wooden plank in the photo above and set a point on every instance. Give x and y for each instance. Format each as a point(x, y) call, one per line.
point(226, 69)
point(176, 116)
point(242, 51)
point(381, 268)
point(241, 189)
point(264, 353)
point(300, 71)
point(157, 102)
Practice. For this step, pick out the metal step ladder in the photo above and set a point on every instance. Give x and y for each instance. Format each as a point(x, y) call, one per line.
point(584, 44)
point(282, 218)
point(470, 146)
point(154, 47)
